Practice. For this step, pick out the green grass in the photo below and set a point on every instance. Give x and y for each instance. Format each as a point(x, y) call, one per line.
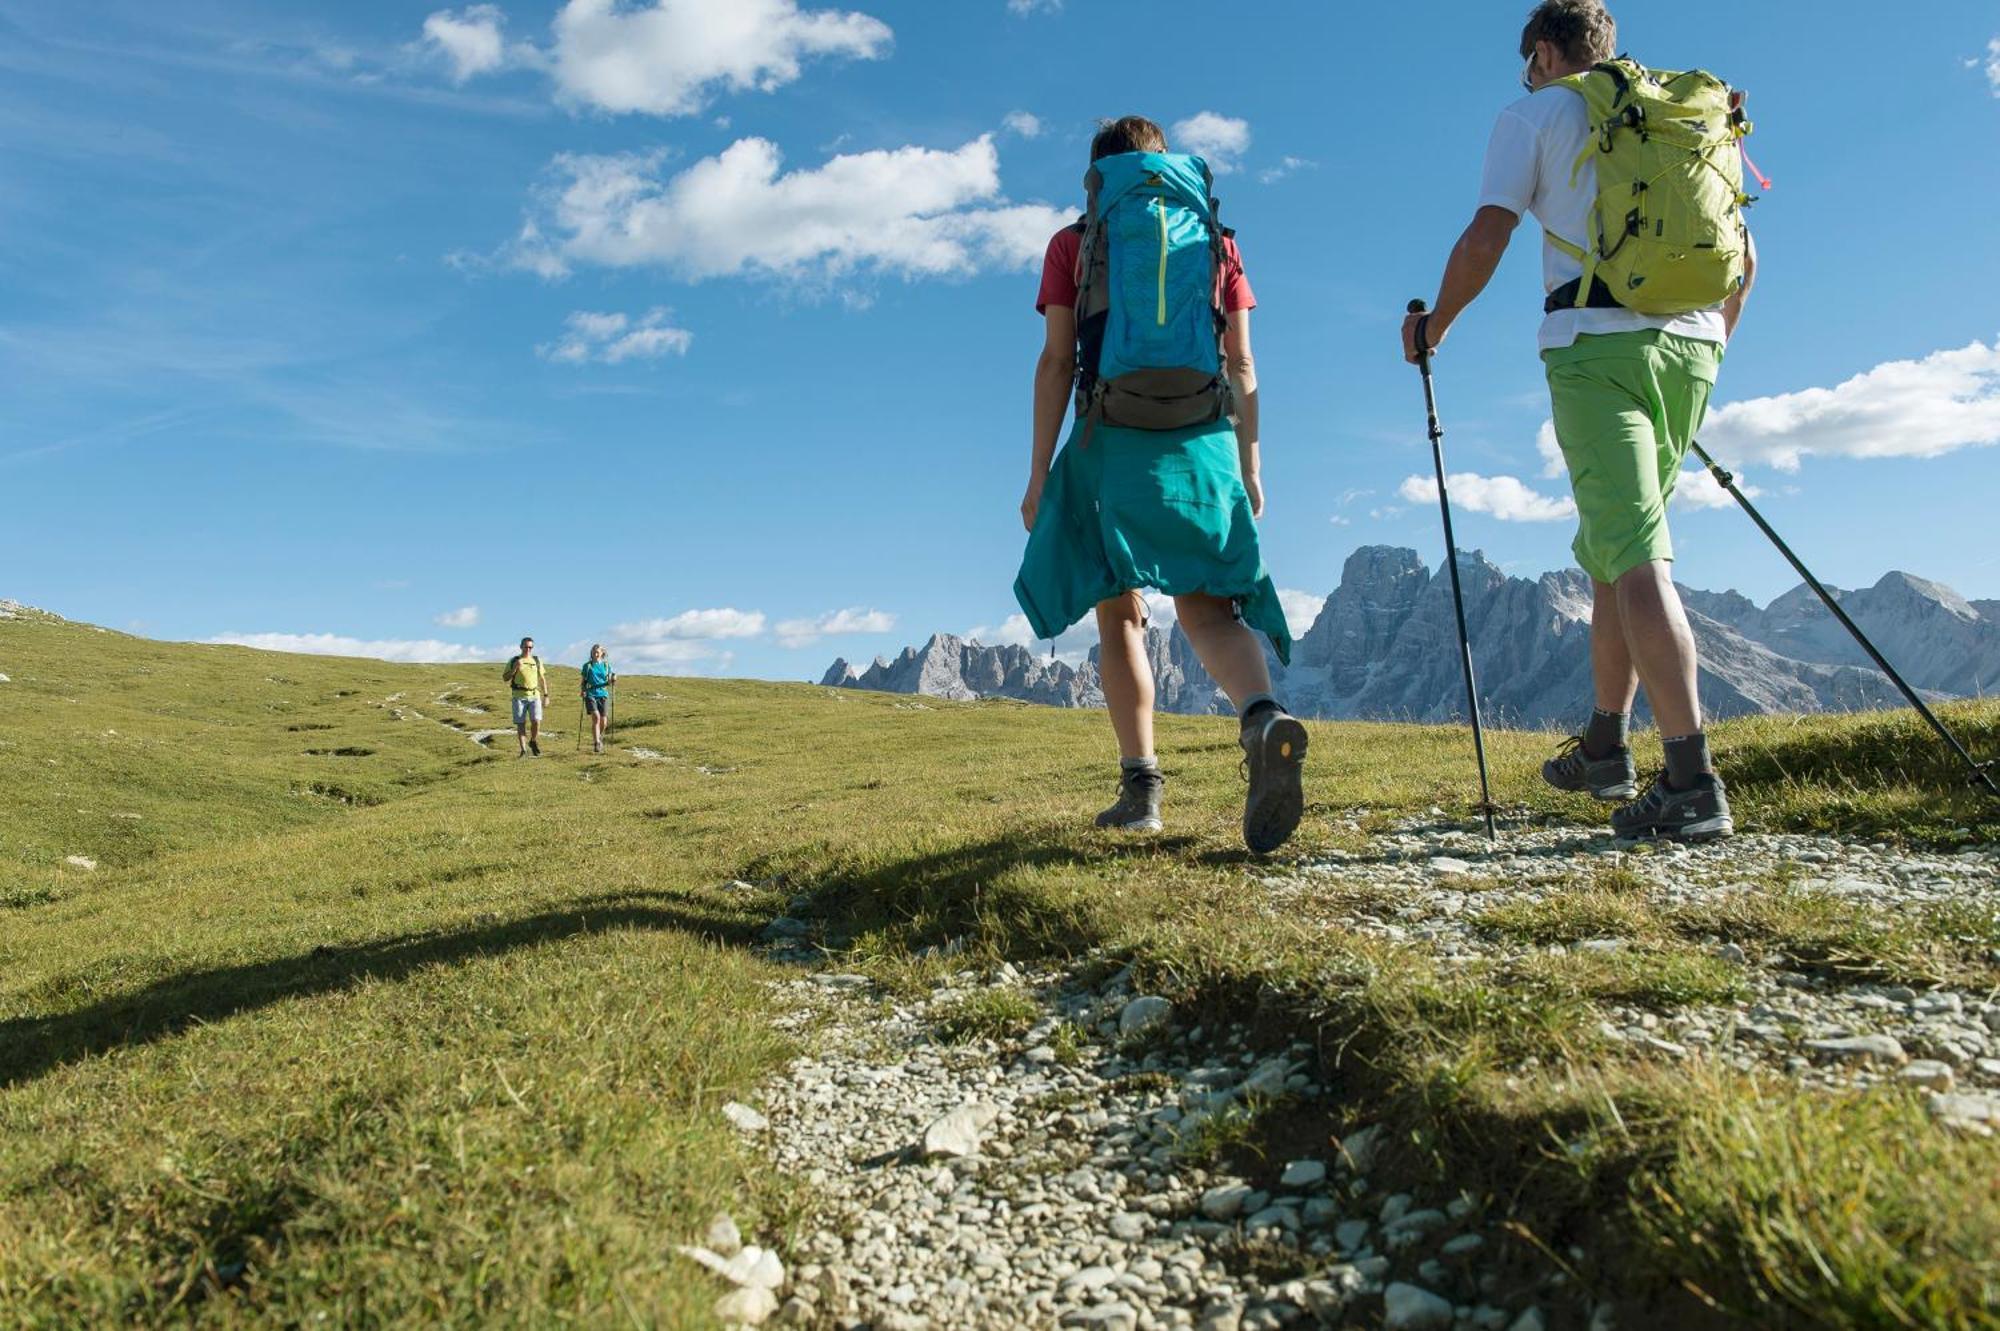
point(426, 1034)
point(987, 1014)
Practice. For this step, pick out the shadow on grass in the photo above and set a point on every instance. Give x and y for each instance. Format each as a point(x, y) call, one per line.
point(33, 1046)
point(963, 889)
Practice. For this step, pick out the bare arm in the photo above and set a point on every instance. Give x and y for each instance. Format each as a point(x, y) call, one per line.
point(1055, 373)
point(1473, 261)
point(1732, 309)
point(1241, 367)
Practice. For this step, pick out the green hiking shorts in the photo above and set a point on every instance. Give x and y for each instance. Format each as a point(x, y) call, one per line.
point(1626, 407)
point(1163, 509)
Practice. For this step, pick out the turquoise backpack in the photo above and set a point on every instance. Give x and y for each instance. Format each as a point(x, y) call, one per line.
point(1149, 311)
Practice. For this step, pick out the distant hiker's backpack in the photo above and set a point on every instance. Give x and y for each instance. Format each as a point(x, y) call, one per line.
point(1149, 311)
point(1668, 222)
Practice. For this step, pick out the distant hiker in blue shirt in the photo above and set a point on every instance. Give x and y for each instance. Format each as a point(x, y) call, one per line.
point(597, 682)
point(1147, 316)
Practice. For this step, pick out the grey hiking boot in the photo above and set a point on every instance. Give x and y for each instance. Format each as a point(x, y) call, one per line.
point(1274, 751)
point(1138, 806)
point(1699, 813)
point(1610, 778)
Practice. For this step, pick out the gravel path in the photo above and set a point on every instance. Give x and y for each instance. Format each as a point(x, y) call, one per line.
point(1048, 1181)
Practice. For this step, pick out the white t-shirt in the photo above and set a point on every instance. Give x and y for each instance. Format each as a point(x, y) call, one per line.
point(1528, 160)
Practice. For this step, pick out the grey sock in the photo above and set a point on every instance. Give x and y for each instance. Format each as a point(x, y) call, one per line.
point(1257, 703)
point(1138, 764)
point(1687, 760)
point(1605, 731)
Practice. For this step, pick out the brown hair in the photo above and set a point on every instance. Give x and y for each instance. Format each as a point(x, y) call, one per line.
point(1581, 29)
point(1127, 134)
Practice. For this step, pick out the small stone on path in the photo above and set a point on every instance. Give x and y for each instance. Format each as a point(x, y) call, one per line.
point(723, 1238)
point(1303, 1174)
point(1928, 1073)
point(80, 862)
point(1411, 1308)
point(1861, 1049)
point(1225, 1202)
point(1144, 1014)
point(957, 1134)
point(749, 1306)
point(744, 1118)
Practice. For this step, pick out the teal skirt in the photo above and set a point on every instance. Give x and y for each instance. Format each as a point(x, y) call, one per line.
point(1163, 509)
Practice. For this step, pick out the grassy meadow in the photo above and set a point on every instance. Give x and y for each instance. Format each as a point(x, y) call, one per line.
point(356, 1021)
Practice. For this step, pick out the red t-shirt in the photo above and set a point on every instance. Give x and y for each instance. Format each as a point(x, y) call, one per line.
point(1059, 274)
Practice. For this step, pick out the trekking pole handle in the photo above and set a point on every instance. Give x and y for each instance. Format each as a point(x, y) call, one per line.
point(1417, 306)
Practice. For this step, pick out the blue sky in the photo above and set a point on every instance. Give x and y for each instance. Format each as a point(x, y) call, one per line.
point(707, 329)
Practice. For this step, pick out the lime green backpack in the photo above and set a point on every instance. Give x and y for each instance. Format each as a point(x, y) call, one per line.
point(1669, 213)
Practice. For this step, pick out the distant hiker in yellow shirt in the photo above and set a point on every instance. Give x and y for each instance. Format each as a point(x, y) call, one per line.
point(531, 695)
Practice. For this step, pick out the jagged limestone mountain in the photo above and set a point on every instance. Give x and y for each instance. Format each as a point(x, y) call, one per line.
point(1384, 647)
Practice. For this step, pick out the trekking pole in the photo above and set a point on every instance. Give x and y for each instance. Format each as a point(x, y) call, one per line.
point(1981, 773)
point(581, 716)
point(1451, 562)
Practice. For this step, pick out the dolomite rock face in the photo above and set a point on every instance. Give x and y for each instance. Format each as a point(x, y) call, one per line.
point(1383, 647)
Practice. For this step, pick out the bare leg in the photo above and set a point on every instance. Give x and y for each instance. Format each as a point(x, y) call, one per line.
point(521, 734)
point(1661, 646)
point(1612, 675)
point(1227, 649)
point(1126, 675)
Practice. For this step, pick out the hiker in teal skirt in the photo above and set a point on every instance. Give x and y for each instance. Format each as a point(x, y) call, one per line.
point(1147, 315)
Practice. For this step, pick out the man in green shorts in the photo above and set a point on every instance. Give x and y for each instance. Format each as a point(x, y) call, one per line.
point(1628, 393)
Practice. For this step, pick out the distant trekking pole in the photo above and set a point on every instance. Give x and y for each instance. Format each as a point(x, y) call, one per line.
point(582, 715)
point(1981, 773)
point(1451, 562)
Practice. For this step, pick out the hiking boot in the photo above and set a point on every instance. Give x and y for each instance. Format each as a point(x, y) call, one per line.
point(535, 747)
point(1274, 751)
point(1610, 778)
point(1699, 813)
point(599, 746)
point(1138, 806)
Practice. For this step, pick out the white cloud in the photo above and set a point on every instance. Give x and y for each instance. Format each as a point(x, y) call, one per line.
point(1218, 138)
point(672, 655)
point(670, 57)
point(1034, 6)
point(805, 632)
point(1286, 166)
point(610, 339)
point(1339, 521)
point(1503, 497)
point(1301, 608)
point(1072, 646)
point(692, 625)
point(1550, 451)
point(473, 41)
point(1022, 123)
point(381, 649)
point(1992, 63)
point(1904, 408)
point(1697, 488)
point(915, 212)
point(465, 617)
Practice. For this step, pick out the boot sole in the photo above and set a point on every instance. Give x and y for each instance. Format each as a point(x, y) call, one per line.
point(1143, 825)
point(1718, 828)
point(1277, 802)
